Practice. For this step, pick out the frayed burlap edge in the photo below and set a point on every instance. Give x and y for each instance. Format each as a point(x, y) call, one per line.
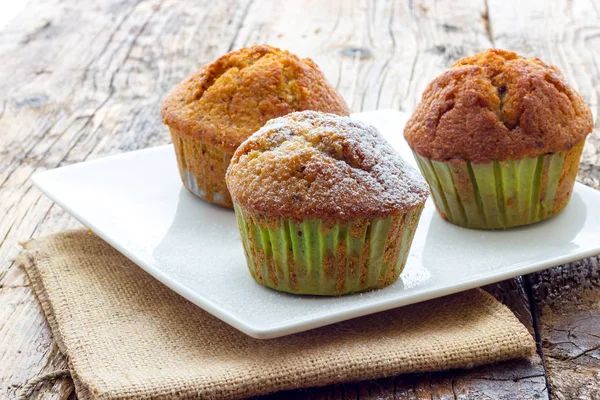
point(27, 260)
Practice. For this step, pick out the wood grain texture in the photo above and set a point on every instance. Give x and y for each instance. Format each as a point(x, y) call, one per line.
point(566, 299)
point(26, 345)
point(80, 83)
point(83, 81)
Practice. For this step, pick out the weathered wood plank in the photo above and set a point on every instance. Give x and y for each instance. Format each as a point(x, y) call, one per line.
point(567, 298)
point(81, 82)
point(26, 345)
point(95, 103)
point(118, 59)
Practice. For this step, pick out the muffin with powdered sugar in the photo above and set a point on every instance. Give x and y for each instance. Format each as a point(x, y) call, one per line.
point(324, 204)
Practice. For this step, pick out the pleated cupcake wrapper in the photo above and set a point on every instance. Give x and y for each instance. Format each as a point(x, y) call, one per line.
point(501, 194)
point(202, 168)
point(314, 257)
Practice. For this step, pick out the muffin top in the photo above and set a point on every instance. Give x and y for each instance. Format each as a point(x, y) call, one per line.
point(316, 165)
point(225, 102)
point(496, 105)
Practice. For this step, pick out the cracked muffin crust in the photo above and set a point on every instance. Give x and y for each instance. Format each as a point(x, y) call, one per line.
point(498, 138)
point(496, 105)
point(324, 204)
point(316, 165)
point(219, 106)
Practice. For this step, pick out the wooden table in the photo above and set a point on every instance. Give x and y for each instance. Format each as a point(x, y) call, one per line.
point(81, 81)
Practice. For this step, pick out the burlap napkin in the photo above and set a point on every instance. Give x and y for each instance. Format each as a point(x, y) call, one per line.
point(128, 336)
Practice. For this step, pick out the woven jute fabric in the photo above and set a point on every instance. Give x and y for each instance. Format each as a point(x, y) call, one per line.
point(128, 336)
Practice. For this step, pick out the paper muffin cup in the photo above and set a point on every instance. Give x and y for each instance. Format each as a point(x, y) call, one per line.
point(502, 194)
point(326, 257)
point(202, 168)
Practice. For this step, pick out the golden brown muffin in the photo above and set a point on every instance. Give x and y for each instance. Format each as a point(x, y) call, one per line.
point(219, 106)
point(496, 105)
point(498, 138)
point(324, 204)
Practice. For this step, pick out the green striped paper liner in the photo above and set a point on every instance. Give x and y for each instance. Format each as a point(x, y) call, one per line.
point(307, 258)
point(495, 195)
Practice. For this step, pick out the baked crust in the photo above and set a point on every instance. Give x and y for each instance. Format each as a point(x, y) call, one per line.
point(496, 105)
point(226, 101)
point(316, 165)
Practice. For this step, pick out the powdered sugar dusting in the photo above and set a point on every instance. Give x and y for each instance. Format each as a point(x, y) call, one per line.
point(311, 164)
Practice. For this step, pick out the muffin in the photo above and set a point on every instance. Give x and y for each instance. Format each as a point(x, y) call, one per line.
point(212, 112)
point(324, 204)
point(498, 138)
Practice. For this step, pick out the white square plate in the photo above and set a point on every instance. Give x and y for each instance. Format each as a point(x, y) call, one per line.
point(136, 202)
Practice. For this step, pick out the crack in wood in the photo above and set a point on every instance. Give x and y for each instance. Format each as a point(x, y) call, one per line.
point(109, 40)
point(2, 286)
point(584, 353)
point(384, 75)
point(536, 327)
point(239, 25)
point(417, 52)
point(338, 18)
point(32, 148)
point(111, 90)
point(384, 68)
point(517, 379)
point(7, 232)
point(3, 109)
point(487, 23)
point(33, 35)
point(42, 220)
point(574, 357)
point(453, 387)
